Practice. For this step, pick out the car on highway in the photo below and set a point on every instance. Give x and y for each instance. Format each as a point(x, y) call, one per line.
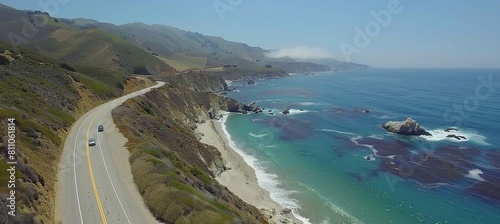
point(100, 128)
point(92, 142)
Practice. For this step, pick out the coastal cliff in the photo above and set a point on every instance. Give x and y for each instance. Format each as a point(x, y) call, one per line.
point(196, 81)
point(249, 74)
point(173, 170)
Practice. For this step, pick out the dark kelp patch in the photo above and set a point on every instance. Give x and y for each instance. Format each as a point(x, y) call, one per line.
point(290, 128)
point(490, 188)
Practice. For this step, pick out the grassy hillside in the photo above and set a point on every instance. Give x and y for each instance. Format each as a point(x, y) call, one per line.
point(88, 46)
point(178, 48)
point(172, 169)
point(182, 62)
point(45, 97)
point(132, 47)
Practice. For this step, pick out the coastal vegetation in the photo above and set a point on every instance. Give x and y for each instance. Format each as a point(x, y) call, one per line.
point(172, 169)
point(45, 97)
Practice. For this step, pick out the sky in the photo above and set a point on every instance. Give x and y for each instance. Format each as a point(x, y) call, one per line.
point(380, 33)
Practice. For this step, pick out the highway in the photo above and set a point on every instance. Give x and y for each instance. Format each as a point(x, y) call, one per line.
point(95, 184)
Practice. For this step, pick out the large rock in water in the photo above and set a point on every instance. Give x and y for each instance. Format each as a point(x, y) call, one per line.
point(408, 127)
point(243, 108)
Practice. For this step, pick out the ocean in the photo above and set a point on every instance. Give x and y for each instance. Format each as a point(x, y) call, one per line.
point(332, 162)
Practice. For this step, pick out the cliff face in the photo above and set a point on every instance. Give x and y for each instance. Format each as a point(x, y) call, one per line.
point(297, 67)
point(196, 81)
point(172, 169)
point(249, 74)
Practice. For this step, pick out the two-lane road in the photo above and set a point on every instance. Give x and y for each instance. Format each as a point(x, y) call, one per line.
point(95, 184)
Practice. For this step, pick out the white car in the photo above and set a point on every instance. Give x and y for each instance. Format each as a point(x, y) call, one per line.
point(92, 142)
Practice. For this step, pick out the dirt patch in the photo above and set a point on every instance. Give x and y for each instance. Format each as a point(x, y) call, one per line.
point(137, 83)
point(7, 54)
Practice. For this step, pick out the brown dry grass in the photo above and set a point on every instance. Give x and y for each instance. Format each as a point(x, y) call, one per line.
point(170, 166)
point(62, 34)
point(137, 83)
point(45, 99)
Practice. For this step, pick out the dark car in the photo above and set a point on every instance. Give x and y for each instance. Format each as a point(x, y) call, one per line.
point(100, 128)
point(92, 142)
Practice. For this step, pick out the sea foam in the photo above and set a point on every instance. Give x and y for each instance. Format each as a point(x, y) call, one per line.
point(258, 135)
point(334, 208)
point(340, 132)
point(472, 136)
point(474, 174)
point(267, 181)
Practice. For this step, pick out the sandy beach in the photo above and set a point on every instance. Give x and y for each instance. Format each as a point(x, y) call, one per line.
point(241, 178)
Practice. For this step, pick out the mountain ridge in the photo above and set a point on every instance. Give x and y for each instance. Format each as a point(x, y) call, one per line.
point(164, 47)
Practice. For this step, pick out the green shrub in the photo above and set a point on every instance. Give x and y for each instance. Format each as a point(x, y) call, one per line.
point(67, 67)
point(141, 70)
point(4, 60)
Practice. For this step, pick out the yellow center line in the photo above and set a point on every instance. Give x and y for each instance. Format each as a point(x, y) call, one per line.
point(103, 216)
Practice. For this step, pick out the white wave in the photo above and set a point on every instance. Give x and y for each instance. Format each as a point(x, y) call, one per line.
point(474, 174)
point(370, 158)
point(386, 117)
point(375, 152)
point(295, 111)
point(273, 100)
point(326, 221)
point(292, 111)
point(306, 103)
point(340, 132)
point(267, 181)
point(258, 135)
point(440, 135)
point(333, 207)
point(376, 136)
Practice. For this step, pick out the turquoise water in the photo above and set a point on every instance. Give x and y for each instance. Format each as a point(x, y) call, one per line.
point(331, 161)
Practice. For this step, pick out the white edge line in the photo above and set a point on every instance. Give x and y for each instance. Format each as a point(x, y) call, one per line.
point(106, 168)
point(100, 148)
point(74, 153)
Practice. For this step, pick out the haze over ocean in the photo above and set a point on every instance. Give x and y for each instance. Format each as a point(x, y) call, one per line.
point(332, 162)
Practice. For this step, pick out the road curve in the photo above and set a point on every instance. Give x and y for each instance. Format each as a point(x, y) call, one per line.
point(95, 184)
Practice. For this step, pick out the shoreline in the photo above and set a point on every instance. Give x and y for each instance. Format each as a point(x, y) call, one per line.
point(241, 178)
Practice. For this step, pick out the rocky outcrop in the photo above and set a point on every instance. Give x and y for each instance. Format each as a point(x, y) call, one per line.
point(457, 137)
point(238, 107)
point(286, 111)
point(212, 114)
point(407, 127)
point(253, 106)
